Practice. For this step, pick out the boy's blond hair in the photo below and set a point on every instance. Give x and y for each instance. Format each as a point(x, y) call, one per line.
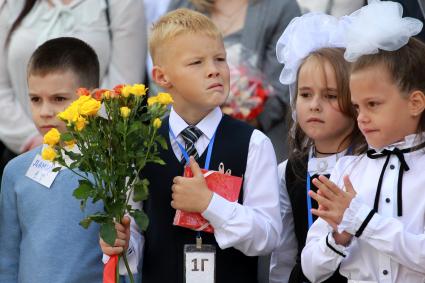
point(178, 22)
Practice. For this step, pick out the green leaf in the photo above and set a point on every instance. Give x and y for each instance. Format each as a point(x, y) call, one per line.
point(141, 190)
point(135, 126)
point(99, 217)
point(57, 169)
point(67, 137)
point(85, 222)
point(108, 232)
point(162, 141)
point(84, 191)
point(158, 161)
point(141, 219)
point(73, 155)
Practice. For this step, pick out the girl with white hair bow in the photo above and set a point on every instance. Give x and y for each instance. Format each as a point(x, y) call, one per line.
point(373, 228)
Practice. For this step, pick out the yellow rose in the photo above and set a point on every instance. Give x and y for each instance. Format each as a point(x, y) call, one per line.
point(126, 90)
point(81, 100)
point(52, 137)
point(90, 107)
point(164, 98)
point(70, 115)
point(70, 144)
point(152, 100)
point(125, 111)
point(80, 124)
point(49, 154)
point(138, 89)
point(157, 123)
point(107, 94)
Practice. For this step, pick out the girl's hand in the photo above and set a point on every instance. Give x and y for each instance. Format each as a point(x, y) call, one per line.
point(332, 200)
point(343, 239)
point(122, 240)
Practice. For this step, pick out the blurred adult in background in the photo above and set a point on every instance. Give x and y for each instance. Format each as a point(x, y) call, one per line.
point(336, 8)
point(251, 29)
point(153, 10)
point(114, 28)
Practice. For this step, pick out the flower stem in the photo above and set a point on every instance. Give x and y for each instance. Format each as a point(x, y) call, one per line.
point(124, 257)
point(117, 271)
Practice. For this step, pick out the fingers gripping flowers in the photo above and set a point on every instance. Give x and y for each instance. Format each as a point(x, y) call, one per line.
point(111, 148)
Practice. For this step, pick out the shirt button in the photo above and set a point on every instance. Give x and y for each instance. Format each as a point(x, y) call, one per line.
point(387, 200)
point(385, 272)
point(392, 167)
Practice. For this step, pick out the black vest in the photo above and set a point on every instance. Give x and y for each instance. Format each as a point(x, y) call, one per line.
point(296, 178)
point(163, 251)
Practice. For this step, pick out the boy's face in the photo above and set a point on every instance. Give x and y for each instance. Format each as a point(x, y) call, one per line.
point(49, 95)
point(384, 114)
point(195, 72)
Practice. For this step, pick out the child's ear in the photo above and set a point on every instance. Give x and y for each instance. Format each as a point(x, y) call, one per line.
point(160, 77)
point(416, 103)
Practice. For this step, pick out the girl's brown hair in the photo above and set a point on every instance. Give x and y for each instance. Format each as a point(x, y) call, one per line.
point(299, 142)
point(406, 67)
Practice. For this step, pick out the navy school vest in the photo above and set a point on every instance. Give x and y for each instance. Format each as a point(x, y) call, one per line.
point(163, 252)
point(295, 177)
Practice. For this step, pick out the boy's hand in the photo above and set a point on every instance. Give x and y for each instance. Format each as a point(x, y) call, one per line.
point(121, 242)
point(191, 194)
point(332, 200)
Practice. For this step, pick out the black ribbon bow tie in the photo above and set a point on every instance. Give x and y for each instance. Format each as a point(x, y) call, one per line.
point(403, 167)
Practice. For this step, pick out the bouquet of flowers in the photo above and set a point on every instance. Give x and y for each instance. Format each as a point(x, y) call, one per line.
point(112, 135)
point(248, 88)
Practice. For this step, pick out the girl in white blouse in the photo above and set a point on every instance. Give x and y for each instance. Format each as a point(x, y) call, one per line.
point(374, 229)
point(119, 44)
point(323, 130)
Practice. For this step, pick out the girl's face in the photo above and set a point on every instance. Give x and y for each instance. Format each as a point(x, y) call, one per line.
point(317, 108)
point(385, 116)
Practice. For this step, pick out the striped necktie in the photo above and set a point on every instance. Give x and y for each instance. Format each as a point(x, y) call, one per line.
point(190, 135)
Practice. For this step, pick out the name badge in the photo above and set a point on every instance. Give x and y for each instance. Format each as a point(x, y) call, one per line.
point(41, 171)
point(199, 263)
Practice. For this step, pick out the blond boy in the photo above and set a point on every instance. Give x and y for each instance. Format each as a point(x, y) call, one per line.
point(190, 63)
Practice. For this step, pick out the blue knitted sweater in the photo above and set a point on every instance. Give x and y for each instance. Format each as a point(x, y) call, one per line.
point(40, 239)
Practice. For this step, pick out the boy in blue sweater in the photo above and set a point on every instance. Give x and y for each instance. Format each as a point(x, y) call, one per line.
point(190, 63)
point(40, 239)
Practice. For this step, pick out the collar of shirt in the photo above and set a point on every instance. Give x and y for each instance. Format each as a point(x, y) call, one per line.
point(207, 125)
point(323, 165)
point(408, 141)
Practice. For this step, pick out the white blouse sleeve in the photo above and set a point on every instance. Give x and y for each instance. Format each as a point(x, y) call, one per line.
point(129, 38)
point(321, 256)
point(386, 234)
point(283, 258)
point(16, 126)
point(254, 227)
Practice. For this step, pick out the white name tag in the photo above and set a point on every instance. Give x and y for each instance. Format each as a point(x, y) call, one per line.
point(41, 171)
point(199, 264)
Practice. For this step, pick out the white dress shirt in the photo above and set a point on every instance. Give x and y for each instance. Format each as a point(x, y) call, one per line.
point(84, 19)
point(391, 248)
point(254, 227)
point(283, 258)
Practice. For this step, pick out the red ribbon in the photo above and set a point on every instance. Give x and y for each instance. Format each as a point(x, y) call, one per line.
point(109, 270)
